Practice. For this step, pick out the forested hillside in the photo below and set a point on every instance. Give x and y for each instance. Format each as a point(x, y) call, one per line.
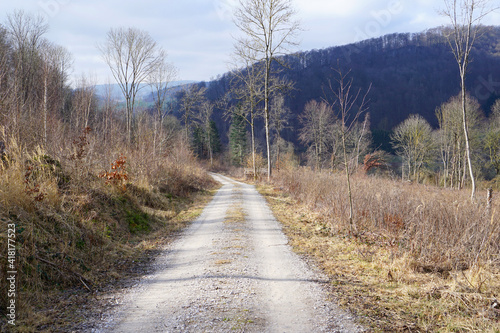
point(79, 203)
point(92, 184)
point(409, 73)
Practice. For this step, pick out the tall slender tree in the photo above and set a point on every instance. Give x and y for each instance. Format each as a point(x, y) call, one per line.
point(279, 119)
point(192, 99)
point(204, 118)
point(159, 80)
point(269, 29)
point(248, 84)
point(351, 104)
point(26, 35)
point(84, 101)
point(451, 139)
point(465, 17)
point(492, 142)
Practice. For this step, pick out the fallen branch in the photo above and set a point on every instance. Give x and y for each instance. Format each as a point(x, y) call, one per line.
point(79, 276)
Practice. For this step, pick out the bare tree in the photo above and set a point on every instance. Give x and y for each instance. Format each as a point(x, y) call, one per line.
point(465, 17)
point(492, 141)
point(131, 55)
point(451, 139)
point(191, 101)
point(83, 102)
point(5, 78)
point(351, 105)
point(47, 50)
point(317, 120)
point(159, 80)
point(107, 117)
point(269, 29)
point(248, 87)
point(26, 34)
point(413, 141)
point(53, 60)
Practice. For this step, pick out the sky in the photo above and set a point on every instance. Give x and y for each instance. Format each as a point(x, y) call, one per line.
point(198, 34)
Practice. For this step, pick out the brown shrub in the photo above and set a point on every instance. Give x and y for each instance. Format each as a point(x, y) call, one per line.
point(76, 230)
point(434, 225)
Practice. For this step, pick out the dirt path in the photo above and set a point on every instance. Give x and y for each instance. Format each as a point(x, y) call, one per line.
point(231, 271)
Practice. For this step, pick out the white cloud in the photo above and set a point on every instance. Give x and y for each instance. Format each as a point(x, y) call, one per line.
point(197, 33)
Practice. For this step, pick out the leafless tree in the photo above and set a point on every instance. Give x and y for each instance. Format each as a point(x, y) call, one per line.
point(159, 80)
point(451, 139)
point(465, 17)
point(204, 117)
point(5, 80)
point(26, 34)
point(413, 141)
point(132, 55)
point(53, 60)
point(269, 29)
point(248, 85)
point(108, 119)
point(191, 101)
point(317, 120)
point(492, 141)
point(83, 102)
point(350, 105)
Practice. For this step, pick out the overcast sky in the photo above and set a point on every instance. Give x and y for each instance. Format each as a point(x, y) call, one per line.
point(197, 33)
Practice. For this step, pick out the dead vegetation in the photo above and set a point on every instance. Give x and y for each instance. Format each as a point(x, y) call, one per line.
point(425, 259)
point(78, 233)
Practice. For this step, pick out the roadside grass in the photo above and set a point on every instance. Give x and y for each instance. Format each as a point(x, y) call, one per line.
point(379, 279)
point(78, 235)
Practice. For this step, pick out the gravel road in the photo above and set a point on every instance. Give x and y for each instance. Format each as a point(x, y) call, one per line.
point(230, 271)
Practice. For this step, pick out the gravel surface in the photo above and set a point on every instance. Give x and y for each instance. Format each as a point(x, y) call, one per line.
point(229, 275)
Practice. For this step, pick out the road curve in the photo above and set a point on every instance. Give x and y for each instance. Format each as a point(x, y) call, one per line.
point(227, 274)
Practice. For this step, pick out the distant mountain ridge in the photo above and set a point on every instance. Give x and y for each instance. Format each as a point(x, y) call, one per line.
point(144, 92)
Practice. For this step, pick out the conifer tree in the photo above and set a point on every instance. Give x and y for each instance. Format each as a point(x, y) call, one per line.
point(238, 139)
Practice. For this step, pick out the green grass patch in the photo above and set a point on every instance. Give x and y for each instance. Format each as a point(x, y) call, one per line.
point(138, 221)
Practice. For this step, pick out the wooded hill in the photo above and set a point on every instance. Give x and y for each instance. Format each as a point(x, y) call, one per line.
point(409, 73)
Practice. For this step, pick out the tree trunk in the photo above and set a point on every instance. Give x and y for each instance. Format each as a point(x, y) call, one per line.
point(252, 128)
point(467, 142)
point(45, 111)
point(266, 116)
point(349, 192)
point(129, 128)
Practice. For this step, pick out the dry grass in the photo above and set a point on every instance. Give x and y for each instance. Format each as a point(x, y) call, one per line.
point(439, 227)
point(76, 235)
point(235, 214)
point(425, 259)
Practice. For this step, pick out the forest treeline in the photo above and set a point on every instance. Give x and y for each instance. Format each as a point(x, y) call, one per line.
point(412, 81)
point(410, 75)
point(86, 192)
point(82, 174)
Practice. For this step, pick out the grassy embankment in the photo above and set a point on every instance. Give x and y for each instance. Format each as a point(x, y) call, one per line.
point(424, 259)
point(82, 228)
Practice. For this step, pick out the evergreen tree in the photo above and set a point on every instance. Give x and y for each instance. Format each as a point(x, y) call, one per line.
point(238, 139)
point(215, 142)
point(198, 141)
